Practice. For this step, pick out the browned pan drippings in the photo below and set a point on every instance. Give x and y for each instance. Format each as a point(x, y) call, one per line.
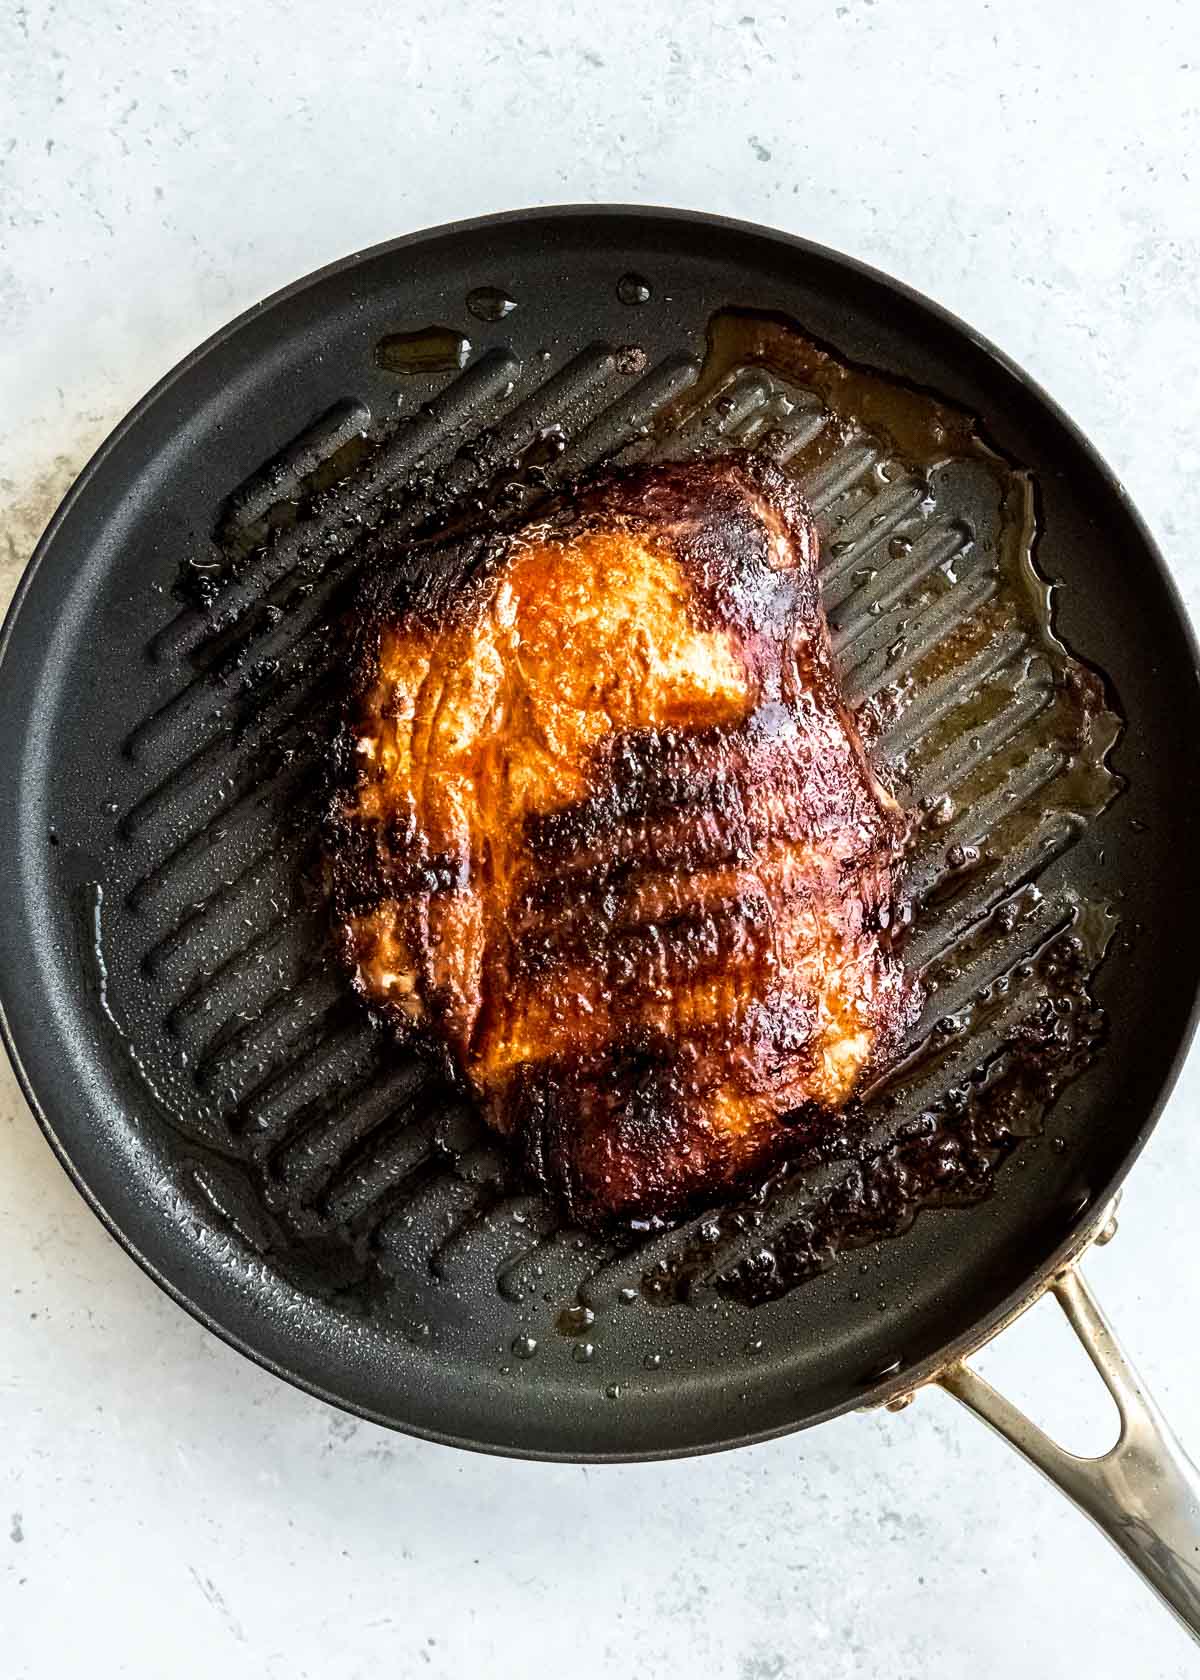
point(993, 733)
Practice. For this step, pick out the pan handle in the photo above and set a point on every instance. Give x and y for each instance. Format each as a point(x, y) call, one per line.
point(1144, 1492)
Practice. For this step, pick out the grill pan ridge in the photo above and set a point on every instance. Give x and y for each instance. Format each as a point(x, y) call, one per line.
point(353, 1188)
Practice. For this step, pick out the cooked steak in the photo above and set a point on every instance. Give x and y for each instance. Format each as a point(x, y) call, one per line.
point(608, 831)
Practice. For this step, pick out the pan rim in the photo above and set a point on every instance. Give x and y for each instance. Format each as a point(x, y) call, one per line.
point(981, 1328)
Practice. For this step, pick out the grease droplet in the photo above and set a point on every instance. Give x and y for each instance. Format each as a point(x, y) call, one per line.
point(427, 350)
point(572, 1321)
point(524, 1346)
point(613, 1391)
point(583, 1352)
point(489, 303)
point(633, 289)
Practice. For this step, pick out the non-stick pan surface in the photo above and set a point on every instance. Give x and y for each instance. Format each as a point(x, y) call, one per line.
point(168, 1003)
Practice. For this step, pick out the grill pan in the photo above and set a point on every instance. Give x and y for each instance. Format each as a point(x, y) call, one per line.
point(183, 1037)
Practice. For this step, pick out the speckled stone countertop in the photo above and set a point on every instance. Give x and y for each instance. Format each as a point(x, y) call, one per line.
point(169, 1509)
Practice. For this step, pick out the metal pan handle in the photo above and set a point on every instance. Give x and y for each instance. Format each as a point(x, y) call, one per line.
point(1145, 1492)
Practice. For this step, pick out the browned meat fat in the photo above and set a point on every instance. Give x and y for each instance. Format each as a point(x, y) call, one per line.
point(609, 832)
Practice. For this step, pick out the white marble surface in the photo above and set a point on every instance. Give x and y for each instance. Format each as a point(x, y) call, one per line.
point(168, 1509)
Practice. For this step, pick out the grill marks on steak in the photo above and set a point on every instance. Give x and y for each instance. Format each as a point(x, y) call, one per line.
point(608, 831)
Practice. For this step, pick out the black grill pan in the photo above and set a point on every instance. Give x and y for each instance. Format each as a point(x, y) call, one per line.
point(331, 1211)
